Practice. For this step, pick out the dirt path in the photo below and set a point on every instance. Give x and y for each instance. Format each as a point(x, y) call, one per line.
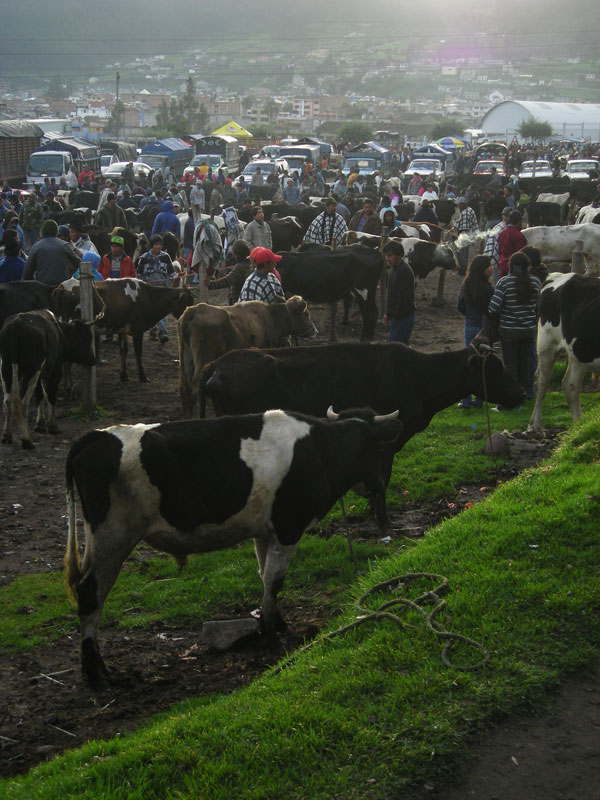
point(41, 717)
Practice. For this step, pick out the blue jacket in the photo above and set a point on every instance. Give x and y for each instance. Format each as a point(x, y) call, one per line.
point(167, 220)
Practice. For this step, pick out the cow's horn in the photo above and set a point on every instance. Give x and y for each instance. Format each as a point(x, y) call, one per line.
point(382, 417)
point(331, 413)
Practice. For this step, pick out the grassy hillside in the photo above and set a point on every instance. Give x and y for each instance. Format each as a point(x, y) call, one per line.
point(375, 709)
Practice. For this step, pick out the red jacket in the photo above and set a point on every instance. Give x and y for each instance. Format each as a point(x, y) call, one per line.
point(510, 240)
point(127, 269)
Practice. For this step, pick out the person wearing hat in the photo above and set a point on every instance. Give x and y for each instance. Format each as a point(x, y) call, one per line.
point(81, 240)
point(328, 225)
point(400, 307)
point(510, 241)
point(50, 260)
point(490, 247)
point(117, 263)
point(262, 284)
point(31, 218)
point(465, 225)
point(426, 213)
point(111, 216)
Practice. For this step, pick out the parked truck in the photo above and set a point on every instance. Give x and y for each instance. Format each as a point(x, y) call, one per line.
point(18, 140)
point(54, 159)
point(173, 152)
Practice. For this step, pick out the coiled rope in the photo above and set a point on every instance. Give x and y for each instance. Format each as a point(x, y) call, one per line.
point(428, 605)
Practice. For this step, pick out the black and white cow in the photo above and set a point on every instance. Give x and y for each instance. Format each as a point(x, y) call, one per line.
point(194, 487)
point(569, 320)
point(34, 347)
point(382, 376)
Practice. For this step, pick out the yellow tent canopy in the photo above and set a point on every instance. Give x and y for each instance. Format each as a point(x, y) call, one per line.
point(232, 129)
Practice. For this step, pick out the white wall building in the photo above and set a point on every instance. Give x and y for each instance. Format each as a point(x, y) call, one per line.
point(568, 120)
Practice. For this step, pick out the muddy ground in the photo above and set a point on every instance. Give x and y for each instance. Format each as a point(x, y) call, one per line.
point(44, 708)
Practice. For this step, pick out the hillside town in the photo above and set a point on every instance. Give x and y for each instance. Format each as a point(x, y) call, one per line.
point(308, 96)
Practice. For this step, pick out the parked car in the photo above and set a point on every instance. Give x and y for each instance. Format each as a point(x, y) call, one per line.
point(266, 165)
point(213, 160)
point(142, 172)
point(484, 167)
point(425, 166)
point(579, 169)
point(538, 169)
point(106, 161)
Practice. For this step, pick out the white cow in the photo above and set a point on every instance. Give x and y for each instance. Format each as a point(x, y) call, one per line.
point(587, 214)
point(556, 243)
point(546, 197)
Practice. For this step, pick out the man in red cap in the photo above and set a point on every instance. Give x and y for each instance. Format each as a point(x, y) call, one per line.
point(262, 284)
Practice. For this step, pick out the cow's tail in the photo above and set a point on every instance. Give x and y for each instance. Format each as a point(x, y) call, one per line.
point(72, 564)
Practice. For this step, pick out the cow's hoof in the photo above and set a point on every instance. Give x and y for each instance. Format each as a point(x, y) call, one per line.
point(27, 444)
point(123, 377)
point(54, 430)
point(7, 438)
point(144, 379)
point(40, 428)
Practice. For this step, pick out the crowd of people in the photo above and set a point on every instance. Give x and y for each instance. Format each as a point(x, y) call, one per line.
point(500, 286)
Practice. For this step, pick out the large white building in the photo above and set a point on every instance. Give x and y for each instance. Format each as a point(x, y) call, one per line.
point(568, 120)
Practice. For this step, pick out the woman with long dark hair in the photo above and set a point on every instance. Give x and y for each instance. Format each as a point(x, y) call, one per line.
point(515, 303)
point(473, 300)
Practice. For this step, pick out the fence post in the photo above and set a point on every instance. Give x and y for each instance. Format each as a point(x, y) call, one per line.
point(577, 259)
point(86, 283)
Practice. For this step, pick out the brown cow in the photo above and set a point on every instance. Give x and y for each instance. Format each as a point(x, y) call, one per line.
point(207, 332)
point(133, 307)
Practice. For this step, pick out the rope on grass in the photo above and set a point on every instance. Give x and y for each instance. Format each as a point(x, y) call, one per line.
point(428, 605)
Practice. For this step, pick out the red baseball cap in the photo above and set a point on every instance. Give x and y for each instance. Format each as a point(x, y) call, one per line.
point(264, 256)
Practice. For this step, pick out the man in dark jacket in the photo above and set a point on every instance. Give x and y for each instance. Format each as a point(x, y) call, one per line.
point(51, 260)
point(110, 215)
point(366, 221)
point(400, 309)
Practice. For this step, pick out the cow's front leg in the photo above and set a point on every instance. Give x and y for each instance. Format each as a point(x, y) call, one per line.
point(276, 562)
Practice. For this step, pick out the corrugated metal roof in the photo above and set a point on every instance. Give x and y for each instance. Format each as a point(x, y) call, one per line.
point(10, 128)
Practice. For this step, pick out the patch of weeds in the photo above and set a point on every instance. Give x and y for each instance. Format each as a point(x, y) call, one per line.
point(87, 415)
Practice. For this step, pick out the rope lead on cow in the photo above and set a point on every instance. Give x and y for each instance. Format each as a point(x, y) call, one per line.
point(431, 598)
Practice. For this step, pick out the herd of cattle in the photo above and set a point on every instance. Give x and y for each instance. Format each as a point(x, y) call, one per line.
point(254, 472)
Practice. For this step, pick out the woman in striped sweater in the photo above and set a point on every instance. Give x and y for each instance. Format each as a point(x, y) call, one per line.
point(514, 301)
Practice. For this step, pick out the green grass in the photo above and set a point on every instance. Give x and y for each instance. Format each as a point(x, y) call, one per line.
point(375, 708)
